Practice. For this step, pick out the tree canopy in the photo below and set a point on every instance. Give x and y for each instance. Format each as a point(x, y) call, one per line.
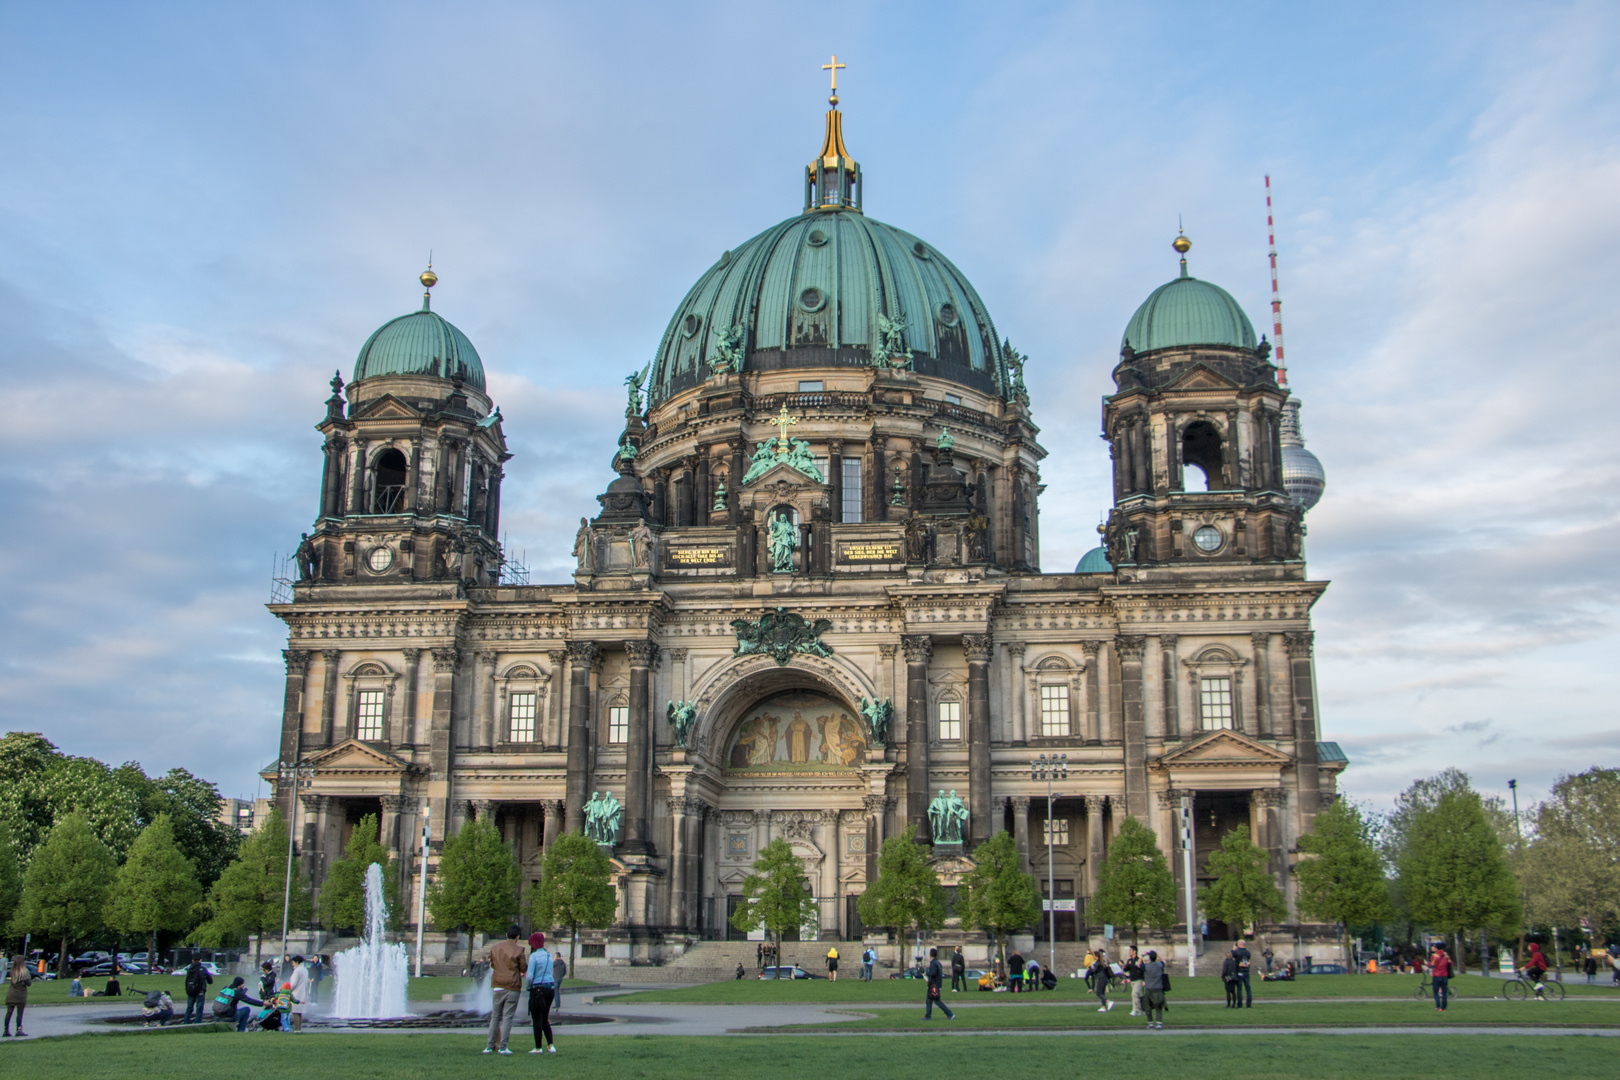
point(575, 888)
point(156, 888)
point(1572, 868)
point(1342, 879)
point(776, 895)
point(907, 894)
point(1243, 891)
point(1453, 872)
point(248, 897)
point(1001, 897)
point(1135, 886)
point(343, 893)
point(67, 882)
point(476, 884)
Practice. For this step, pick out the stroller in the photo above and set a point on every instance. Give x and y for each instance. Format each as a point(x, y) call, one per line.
point(277, 1008)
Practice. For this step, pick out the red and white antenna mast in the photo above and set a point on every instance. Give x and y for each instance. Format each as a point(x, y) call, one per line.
point(1276, 298)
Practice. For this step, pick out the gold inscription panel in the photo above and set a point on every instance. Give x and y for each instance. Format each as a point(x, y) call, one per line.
point(885, 551)
point(696, 556)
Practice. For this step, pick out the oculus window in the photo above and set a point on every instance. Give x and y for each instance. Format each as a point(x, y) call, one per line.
point(1054, 711)
point(1215, 703)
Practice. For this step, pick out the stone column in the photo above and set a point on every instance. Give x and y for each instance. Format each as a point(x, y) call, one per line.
point(919, 648)
point(873, 805)
point(1172, 686)
point(825, 834)
point(1303, 681)
point(1243, 707)
point(440, 748)
point(556, 690)
point(292, 706)
point(637, 797)
point(1170, 844)
point(1019, 733)
point(357, 489)
point(1266, 809)
point(886, 680)
point(1130, 649)
point(329, 689)
point(393, 808)
point(1020, 807)
point(581, 657)
point(1262, 685)
point(677, 862)
point(979, 648)
point(553, 809)
point(405, 729)
point(877, 483)
point(310, 843)
point(486, 701)
point(835, 478)
point(1093, 693)
point(331, 478)
point(1094, 842)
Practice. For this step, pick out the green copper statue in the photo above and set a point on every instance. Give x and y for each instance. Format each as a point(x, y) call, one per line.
point(946, 440)
point(719, 497)
point(784, 538)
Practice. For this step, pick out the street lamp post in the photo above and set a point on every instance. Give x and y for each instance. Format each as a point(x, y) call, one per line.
point(1524, 893)
point(421, 896)
point(299, 774)
point(1049, 769)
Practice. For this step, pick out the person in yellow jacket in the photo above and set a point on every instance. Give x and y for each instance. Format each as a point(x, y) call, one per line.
point(832, 963)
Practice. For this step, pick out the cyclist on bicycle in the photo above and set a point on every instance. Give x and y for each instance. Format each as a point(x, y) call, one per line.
point(1535, 969)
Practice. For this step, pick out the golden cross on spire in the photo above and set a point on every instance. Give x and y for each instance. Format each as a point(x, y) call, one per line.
point(781, 421)
point(833, 67)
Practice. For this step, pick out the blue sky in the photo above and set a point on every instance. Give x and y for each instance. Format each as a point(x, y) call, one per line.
point(205, 209)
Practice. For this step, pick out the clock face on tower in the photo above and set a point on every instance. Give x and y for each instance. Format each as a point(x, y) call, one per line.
point(380, 559)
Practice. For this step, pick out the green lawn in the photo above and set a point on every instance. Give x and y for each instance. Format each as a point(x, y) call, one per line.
point(1393, 1012)
point(432, 988)
point(1208, 987)
point(209, 1056)
point(55, 991)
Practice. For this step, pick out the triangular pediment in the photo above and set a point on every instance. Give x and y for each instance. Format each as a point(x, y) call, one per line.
point(352, 755)
point(387, 407)
point(1199, 377)
point(783, 473)
point(1224, 748)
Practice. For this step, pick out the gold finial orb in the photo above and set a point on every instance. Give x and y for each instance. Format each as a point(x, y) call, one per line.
point(833, 100)
point(429, 278)
point(1182, 244)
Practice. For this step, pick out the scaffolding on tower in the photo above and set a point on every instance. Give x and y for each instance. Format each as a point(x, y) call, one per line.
point(1276, 297)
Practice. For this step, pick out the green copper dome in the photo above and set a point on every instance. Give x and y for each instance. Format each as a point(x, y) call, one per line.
point(1188, 311)
point(814, 291)
point(1094, 561)
point(421, 343)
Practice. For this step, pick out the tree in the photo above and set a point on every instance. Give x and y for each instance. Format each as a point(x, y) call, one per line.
point(343, 893)
point(1135, 887)
point(1453, 872)
point(249, 896)
point(1243, 890)
point(907, 892)
point(575, 888)
point(776, 896)
point(1001, 898)
point(1572, 869)
point(193, 805)
point(156, 888)
point(1343, 881)
point(66, 885)
point(477, 882)
point(11, 874)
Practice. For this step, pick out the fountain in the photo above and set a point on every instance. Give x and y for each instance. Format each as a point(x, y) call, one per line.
point(372, 977)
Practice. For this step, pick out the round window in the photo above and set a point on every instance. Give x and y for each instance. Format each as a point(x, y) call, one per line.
point(380, 559)
point(812, 299)
point(1208, 538)
point(816, 238)
point(919, 250)
point(691, 325)
point(947, 315)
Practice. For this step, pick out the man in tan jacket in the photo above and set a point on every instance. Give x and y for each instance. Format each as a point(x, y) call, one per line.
point(507, 961)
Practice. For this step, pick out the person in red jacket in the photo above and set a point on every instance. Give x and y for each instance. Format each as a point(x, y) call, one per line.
point(1536, 968)
point(1440, 972)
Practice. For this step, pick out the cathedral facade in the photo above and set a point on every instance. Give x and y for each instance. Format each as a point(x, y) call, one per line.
point(809, 604)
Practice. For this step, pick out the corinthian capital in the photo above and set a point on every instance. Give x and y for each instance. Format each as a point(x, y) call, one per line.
point(1298, 644)
point(582, 653)
point(919, 648)
point(1129, 647)
point(978, 646)
point(643, 654)
point(297, 661)
point(444, 660)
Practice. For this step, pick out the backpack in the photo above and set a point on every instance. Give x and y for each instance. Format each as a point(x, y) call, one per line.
point(225, 1003)
point(196, 981)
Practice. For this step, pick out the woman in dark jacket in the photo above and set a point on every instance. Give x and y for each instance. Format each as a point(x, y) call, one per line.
point(1101, 974)
point(17, 993)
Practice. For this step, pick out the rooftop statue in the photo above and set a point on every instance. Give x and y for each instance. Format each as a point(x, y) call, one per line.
point(633, 382)
point(800, 458)
point(892, 351)
point(1015, 363)
point(779, 634)
point(627, 451)
point(728, 351)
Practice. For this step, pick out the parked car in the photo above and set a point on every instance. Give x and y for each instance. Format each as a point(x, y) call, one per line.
point(793, 972)
point(207, 965)
point(1328, 969)
point(913, 972)
point(105, 968)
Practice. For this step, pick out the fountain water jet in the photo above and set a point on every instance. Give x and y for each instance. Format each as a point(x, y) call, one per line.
point(373, 976)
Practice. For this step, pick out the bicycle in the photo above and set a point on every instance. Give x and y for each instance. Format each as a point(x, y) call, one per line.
point(1425, 991)
point(1522, 986)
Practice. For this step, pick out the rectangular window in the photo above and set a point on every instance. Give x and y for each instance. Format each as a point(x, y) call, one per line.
point(368, 719)
point(1054, 711)
point(619, 724)
point(1055, 832)
point(1215, 703)
point(809, 386)
point(950, 721)
point(523, 709)
point(852, 491)
point(953, 399)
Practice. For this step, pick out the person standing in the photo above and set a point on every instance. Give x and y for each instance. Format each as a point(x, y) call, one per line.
point(1015, 973)
point(559, 970)
point(1100, 978)
point(935, 978)
point(507, 961)
point(1086, 964)
point(1268, 956)
point(197, 983)
point(300, 991)
point(868, 960)
point(17, 993)
point(1133, 974)
point(958, 969)
point(1229, 978)
point(542, 978)
point(832, 964)
point(1244, 993)
point(1155, 984)
point(1440, 975)
point(267, 979)
point(1589, 965)
point(759, 956)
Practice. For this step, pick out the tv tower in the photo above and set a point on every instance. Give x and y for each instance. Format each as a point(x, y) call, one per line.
point(1303, 476)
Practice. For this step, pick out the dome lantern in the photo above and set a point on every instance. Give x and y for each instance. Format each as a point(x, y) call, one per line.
point(833, 180)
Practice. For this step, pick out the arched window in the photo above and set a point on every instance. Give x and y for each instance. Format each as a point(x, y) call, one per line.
point(1201, 447)
point(388, 474)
